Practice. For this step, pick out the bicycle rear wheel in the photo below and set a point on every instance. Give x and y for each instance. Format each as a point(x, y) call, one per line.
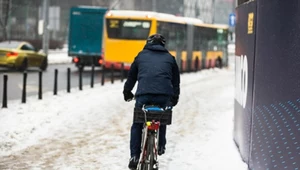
point(150, 151)
point(148, 162)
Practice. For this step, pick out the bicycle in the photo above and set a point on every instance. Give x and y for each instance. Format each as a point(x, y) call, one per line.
point(152, 116)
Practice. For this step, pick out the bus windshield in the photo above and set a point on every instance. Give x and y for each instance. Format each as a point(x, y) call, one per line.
point(128, 29)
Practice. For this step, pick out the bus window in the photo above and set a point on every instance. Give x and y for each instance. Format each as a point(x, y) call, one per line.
point(174, 34)
point(163, 28)
point(208, 37)
point(197, 46)
point(128, 29)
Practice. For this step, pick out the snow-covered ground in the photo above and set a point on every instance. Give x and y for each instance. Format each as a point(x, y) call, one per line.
point(89, 129)
point(59, 56)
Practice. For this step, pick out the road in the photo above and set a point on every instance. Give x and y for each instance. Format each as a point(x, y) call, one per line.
point(15, 80)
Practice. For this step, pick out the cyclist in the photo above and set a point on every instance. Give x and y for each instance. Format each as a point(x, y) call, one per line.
point(158, 78)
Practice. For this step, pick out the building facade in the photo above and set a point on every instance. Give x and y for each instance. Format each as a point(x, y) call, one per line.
point(20, 19)
point(210, 11)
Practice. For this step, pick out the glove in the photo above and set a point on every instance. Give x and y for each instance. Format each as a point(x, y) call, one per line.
point(127, 95)
point(174, 100)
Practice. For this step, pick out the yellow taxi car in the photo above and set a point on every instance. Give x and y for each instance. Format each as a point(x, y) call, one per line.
point(21, 55)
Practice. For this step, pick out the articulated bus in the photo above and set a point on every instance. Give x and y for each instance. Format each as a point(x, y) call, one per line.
point(193, 43)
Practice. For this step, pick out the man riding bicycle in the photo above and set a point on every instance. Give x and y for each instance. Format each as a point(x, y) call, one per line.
point(158, 78)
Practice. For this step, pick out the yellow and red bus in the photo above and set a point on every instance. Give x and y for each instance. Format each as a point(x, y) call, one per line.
point(188, 39)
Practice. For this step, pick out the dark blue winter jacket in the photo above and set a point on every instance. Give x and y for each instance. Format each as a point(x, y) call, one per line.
point(156, 71)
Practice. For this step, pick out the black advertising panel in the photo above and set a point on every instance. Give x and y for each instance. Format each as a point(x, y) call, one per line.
point(244, 68)
point(276, 106)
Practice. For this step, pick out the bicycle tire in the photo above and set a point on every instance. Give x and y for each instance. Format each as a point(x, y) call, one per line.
point(149, 161)
point(150, 151)
point(142, 164)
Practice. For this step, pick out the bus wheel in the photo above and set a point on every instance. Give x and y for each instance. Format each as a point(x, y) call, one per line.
point(218, 63)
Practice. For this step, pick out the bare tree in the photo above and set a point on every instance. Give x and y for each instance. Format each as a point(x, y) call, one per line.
point(104, 3)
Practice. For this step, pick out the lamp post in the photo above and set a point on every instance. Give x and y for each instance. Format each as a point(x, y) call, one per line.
point(153, 5)
point(45, 26)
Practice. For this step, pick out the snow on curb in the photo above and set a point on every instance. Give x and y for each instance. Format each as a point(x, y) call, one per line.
point(59, 57)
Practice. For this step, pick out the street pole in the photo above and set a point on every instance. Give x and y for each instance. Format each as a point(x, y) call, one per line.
point(154, 5)
point(213, 12)
point(233, 5)
point(45, 26)
point(26, 21)
point(143, 5)
point(8, 20)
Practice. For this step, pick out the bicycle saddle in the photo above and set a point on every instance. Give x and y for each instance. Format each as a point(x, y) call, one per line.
point(156, 108)
point(152, 108)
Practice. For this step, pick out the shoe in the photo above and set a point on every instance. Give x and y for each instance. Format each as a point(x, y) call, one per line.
point(161, 150)
point(133, 162)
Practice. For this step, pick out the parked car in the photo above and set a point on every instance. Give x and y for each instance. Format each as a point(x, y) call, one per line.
point(21, 55)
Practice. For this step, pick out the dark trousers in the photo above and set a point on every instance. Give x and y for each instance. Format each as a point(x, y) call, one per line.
point(136, 128)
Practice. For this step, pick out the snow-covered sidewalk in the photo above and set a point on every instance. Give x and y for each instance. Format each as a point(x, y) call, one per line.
point(59, 56)
point(89, 129)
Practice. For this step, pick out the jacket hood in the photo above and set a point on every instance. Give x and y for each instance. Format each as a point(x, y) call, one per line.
point(155, 47)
